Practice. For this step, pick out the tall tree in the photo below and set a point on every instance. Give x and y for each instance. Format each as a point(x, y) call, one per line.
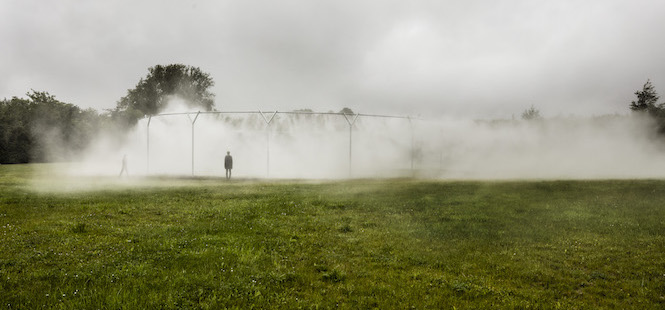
point(647, 100)
point(151, 94)
point(647, 103)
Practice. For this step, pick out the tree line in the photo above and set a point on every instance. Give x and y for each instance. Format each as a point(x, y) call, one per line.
point(41, 128)
point(28, 126)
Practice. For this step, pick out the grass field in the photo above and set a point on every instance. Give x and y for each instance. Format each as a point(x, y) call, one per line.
point(207, 243)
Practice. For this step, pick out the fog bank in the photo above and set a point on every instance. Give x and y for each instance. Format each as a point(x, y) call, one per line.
point(323, 147)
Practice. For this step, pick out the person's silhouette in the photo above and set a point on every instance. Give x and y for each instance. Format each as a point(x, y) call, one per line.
point(124, 166)
point(228, 164)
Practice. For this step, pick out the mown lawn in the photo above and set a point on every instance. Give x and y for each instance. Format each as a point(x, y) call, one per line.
point(163, 243)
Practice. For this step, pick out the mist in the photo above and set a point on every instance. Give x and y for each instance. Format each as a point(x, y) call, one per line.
point(606, 147)
point(322, 146)
point(309, 146)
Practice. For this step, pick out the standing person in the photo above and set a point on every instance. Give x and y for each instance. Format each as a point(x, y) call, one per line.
point(124, 166)
point(228, 164)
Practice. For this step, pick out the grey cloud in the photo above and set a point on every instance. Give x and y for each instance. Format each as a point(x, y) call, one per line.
point(473, 58)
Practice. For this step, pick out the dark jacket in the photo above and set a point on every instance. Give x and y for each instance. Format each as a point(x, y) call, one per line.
point(228, 162)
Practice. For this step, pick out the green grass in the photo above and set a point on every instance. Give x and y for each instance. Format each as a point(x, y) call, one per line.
point(210, 244)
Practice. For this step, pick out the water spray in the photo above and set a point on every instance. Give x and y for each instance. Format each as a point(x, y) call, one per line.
point(268, 118)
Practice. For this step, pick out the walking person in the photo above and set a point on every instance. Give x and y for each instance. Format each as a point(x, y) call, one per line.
point(124, 166)
point(228, 164)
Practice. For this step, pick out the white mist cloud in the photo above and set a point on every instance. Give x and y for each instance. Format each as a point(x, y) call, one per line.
point(564, 148)
point(322, 147)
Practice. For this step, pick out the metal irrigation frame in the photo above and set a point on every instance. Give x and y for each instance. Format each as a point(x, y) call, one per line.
point(268, 118)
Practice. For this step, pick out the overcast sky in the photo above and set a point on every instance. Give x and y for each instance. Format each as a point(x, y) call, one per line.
point(473, 58)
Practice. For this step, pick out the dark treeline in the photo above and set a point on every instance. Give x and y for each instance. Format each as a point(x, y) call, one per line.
point(32, 128)
point(41, 128)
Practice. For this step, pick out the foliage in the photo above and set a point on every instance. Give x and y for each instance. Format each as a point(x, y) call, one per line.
point(16, 139)
point(647, 103)
point(42, 128)
point(647, 100)
point(531, 114)
point(383, 244)
point(152, 93)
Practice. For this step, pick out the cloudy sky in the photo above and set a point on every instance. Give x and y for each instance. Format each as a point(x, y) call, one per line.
point(473, 58)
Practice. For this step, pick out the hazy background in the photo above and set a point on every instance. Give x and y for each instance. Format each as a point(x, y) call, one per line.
point(475, 59)
point(446, 63)
point(317, 147)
